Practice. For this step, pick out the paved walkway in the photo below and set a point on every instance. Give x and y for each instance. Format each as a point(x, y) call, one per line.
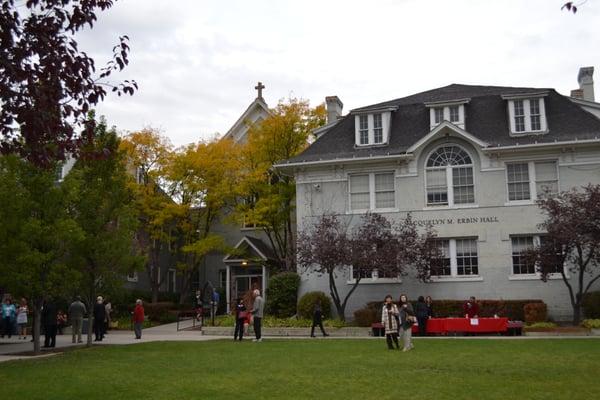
point(10, 348)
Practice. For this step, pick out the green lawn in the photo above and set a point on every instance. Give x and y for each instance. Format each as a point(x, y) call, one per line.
point(317, 369)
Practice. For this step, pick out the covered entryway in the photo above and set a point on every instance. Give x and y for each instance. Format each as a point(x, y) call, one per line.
point(247, 268)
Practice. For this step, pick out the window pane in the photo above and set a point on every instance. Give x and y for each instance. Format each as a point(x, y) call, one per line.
point(546, 179)
point(520, 245)
point(384, 191)
point(466, 257)
point(437, 189)
point(534, 111)
point(554, 269)
point(518, 181)
point(364, 129)
point(385, 200)
point(462, 179)
point(454, 116)
point(377, 129)
point(448, 155)
point(359, 192)
point(384, 181)
point(519, 116)
point(442, 266)
point(439, 115)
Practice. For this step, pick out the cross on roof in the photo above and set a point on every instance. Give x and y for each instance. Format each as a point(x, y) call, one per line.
point(259, 87)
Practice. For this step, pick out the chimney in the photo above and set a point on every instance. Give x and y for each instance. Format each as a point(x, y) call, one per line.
point(334, 108)
point(586, 82)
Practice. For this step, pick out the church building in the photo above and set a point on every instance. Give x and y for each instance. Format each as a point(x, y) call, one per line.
point(469, 160)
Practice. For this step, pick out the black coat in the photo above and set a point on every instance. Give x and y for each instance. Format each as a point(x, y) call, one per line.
point(317, 315)
point(421, 310)
point(99, 312)
point(49, 314)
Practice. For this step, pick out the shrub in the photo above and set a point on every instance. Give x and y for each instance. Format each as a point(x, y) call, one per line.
point(535, 312)
point(591, 305)
point(159, 311)
point(541, 325)
point(273, 322)
point(306, 305)
point(591, 323)
point(366, 316)
point(283, 294)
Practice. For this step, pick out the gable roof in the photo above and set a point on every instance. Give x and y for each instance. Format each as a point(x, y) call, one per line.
point(250, 249)
point(259, 105)
point(486, 118)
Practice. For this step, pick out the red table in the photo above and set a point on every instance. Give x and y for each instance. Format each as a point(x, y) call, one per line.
point(475, 325)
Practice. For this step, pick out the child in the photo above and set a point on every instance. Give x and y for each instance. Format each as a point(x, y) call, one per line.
point(22, 319)
point(390, 322)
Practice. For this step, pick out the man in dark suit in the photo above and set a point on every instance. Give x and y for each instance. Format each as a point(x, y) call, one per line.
point(99, 316)
point(49, 322)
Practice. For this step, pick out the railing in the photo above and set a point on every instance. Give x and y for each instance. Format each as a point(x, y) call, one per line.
point(196, 317)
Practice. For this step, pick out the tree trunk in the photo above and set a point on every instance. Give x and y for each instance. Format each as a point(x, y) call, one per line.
point(37, 324)
point(576, 314)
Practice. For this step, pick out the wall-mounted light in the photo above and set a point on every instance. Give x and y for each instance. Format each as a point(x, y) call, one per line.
point(244, 263)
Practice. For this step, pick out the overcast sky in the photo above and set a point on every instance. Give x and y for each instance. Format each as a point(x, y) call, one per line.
point(197, 62)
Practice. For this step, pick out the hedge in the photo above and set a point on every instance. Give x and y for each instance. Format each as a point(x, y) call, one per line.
point(282, 293)
point(306, 305)
point(535, 312)
point(512, 309)
point(591, 305)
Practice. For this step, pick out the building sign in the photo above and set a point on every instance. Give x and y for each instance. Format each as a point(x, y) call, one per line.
point(458, 221)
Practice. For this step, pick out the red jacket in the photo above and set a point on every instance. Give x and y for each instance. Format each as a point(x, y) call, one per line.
point(138, 313)
point(471, 309)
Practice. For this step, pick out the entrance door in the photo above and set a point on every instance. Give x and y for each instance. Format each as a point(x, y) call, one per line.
point(244, 283)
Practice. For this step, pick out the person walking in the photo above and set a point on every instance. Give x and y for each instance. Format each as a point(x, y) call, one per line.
point(422, 315)
point(22, 319)
point(389, 320)
point(9, 313)
point(49, 322)
point(317, 320)
point(257, 314)
point(138, 318)
point(407, 319)
point(240, 318)
point(77, 311)
point(99, 316)
point(429, 304)
point(107, 315)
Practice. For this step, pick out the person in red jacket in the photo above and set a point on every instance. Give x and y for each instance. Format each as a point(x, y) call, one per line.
point(471, 308)
point(138, 318)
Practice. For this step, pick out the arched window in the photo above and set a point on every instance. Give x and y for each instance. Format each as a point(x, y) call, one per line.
point(449, 177)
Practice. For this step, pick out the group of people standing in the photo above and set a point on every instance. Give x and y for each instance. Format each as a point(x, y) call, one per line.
point(245, 317)
point(398, 320)
point(14, 314)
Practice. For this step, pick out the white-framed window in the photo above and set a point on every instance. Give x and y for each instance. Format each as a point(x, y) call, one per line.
point(363, 129)
point(527, 116)
point(372, 191)
point(372, 129)
point(458, 258)
point(454, 113)
point(449, 177)
point(530, 180)
point(521, 266)
point(132, 276)
point(377, 129)
point(374, 276)
point(438, 114)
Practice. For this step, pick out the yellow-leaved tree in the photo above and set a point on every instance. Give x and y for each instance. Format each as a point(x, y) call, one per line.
point(268, 195)
point(201, 179)
point(148, 154)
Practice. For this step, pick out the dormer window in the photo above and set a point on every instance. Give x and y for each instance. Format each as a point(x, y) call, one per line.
point(526, 115)
point(372, 129)
point(452, 111)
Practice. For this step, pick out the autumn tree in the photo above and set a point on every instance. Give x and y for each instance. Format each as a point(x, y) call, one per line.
point(102, 205)
point(571, 248)
point(201, 179)
point(374, 245)
point(47, 84)
point(269, 194)
point(148, 153)
point(37, 235)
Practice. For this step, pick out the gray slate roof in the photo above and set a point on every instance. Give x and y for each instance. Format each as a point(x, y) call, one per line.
point(486, 118)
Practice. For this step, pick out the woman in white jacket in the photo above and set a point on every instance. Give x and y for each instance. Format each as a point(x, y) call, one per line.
point(389, 320)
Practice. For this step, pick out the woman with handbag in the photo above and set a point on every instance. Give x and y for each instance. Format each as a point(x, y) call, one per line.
point(240, 317)
point(389, 320)
point(407, 320)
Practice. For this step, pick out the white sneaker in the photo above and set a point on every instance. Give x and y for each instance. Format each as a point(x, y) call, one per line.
point(254, 340)
point(259, 340)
